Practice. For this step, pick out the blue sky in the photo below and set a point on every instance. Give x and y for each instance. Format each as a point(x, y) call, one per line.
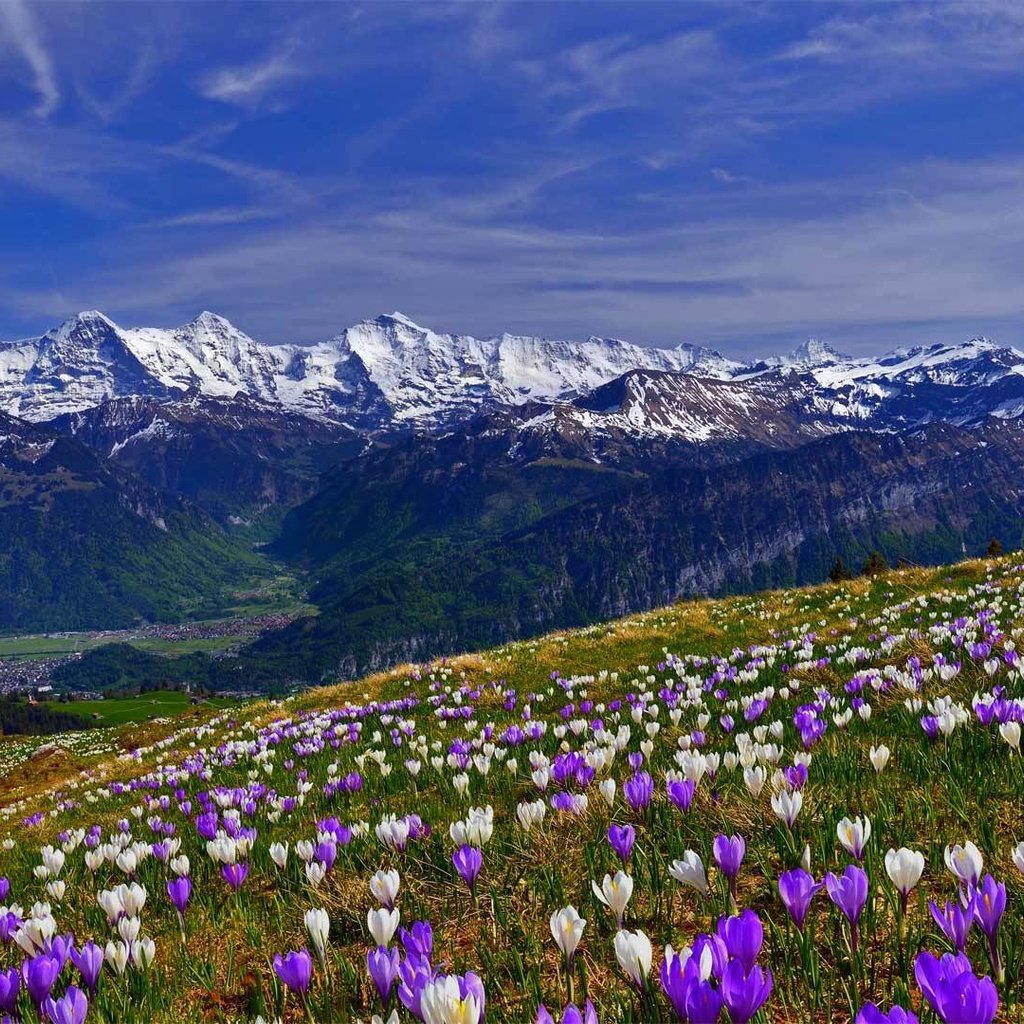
point(743, 175)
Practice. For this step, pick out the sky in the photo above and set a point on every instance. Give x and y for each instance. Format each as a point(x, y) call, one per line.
point(738, 175)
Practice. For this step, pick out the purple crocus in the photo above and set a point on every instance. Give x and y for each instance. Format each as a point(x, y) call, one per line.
point(797, 888)
point(988, 903)
point(639, 791)
point(955, 922)
point(235, 874)
point(744, 991)
point(743, 936)
point(953, 991)
point(295, 970)
point(468, 861)
point(680, 792)
point(71, 1008)
point(418, 940)
point(10, 983)
point(5, 888)
point(872, 1014)
point(39, 973)
point(89, 961)
point(849, 892)
point(382, 963)
point(694, 999)
point(572, 1014)
point(179, 890)
point(621, 838)
point(728, 852)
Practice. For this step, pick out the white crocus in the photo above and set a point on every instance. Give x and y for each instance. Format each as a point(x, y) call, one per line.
point(567, 930)
point(382, 925)
point(690, 871)
point(441, 1003)
point(634, 952)
point(615, 893)
point(318, 924)
point(786, 806)
point(965, 862)
point(904, 868)
point(384, 887)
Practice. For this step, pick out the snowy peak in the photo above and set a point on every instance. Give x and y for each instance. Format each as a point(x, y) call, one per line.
point(815, 353)
point(390, 372)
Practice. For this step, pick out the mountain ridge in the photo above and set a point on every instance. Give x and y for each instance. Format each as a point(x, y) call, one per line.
point(389, 373)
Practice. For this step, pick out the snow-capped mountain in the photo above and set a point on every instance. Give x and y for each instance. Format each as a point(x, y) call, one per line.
point(383, 372)
point(390, 373)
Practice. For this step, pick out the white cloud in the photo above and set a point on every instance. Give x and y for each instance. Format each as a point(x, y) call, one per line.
point(250, 83)
point(19, 26)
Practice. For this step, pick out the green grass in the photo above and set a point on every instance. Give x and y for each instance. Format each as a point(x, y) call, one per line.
point(930, 794)
point(122, 711)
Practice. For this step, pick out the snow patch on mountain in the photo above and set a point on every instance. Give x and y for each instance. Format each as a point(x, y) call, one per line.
point(391, 372)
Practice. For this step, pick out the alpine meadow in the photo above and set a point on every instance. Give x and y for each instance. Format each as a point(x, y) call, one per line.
point(629, 631)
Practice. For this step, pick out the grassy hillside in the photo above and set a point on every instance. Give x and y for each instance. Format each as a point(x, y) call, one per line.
point(739, 695)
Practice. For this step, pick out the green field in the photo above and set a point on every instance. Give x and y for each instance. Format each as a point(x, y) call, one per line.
point(122, 711)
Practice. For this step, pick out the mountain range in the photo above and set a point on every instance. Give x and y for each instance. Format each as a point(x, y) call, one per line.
point(439, 490)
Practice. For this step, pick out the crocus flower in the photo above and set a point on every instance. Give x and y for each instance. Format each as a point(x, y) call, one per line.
point(639, 791)
point(10, 983)
point(418, 940)
point(904, 868)
point(853, 835)
point(684, 980)
point(786, 805)
point(381, 924)
point(615, 893)
point(71, 1008)
point(384, 887)
point(621, 838)
point(318, 927)
point(849, 892)
point(89, 961)
point(235, 874)
point(871, 1014)
point(179, 890)
point(797, 888)
point(567, 930)
point(690, 871)
point(449, 999)
point(572, 1014)
point(39, 973)
point(988, 904)
point(382, 964)
point(952, 990)
point(743, 936)
point(634, 952)
point(729, 851)
point(744, 991)
point(295, 970)
point(965, 862)
point(468, 861)
point(955, 922)
point(680, 792)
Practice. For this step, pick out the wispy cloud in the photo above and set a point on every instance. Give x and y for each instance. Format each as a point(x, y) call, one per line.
point(247, 84)
point(19, 27)
point(739, 280)
point(984, 35)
